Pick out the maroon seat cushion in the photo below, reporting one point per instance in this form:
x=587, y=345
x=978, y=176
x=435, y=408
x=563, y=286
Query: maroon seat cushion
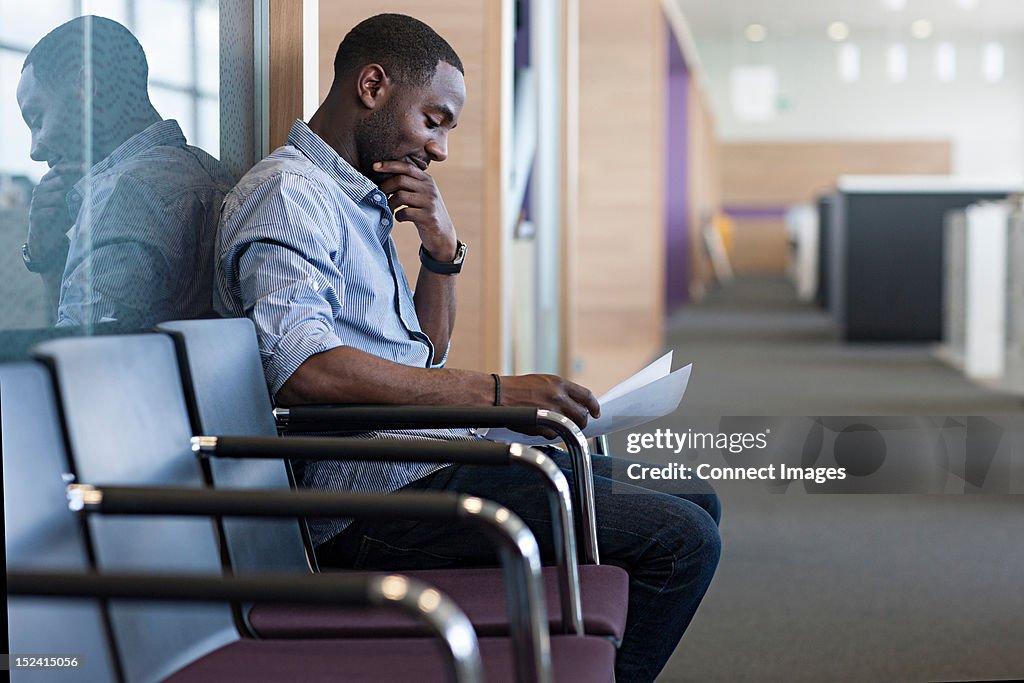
x=480, y=593
x=355, y=660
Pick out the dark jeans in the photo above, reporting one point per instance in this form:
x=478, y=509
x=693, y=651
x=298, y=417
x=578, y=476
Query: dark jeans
x=668, y=543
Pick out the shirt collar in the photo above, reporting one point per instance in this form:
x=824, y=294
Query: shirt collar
x=353, y=183
x=161, y=133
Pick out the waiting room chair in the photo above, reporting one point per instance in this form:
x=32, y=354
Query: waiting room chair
x=231, y=343
x=227, y=395
x=128, y=381
x=47, y=557
x=40, y=532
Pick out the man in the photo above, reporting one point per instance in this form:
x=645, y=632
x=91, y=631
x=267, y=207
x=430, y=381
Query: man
x=305, y=250
x=141, y=205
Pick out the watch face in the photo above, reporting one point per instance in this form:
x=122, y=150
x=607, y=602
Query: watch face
x=26, y=257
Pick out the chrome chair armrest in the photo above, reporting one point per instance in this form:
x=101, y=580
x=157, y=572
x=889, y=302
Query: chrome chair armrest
x=425, y=603
x=520, y=555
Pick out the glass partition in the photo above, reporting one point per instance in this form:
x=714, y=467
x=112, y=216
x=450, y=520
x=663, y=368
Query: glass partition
x=110, y=187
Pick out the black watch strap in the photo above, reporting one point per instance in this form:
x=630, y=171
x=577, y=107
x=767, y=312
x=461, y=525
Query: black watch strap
x=444, y=267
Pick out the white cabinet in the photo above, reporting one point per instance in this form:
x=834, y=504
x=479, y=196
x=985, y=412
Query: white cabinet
x=1014, y=359
x=985, y=292
x=954, y=288
x=802, y=226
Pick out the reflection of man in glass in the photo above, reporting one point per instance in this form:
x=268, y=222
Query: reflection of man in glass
x=141, y=204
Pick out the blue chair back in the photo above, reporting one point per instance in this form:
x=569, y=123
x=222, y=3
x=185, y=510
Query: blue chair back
x=42, y=534
x=127, y=425
x=220, y=360
x=227, y=394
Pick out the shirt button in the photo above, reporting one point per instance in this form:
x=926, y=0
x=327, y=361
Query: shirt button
x=377, y=197
x=384, y=222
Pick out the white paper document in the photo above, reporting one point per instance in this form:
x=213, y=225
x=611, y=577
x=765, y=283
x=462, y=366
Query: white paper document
x=651, y=393
x=652, y=372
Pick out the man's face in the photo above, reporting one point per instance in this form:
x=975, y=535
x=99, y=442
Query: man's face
x=413, y=124
x=54, y=116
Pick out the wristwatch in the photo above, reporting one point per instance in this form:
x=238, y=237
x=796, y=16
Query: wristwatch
x=38, y=265
x=444, y=267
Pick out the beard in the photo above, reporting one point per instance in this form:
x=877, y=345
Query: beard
x=377, y=140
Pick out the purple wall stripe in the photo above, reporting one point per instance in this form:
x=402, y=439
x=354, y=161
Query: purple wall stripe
x=756, y=212
x=677, y=180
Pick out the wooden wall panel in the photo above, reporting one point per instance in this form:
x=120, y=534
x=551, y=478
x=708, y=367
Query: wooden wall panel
x=285, y=68
x=782, y=173
x=570, y=186
x=705, y=184
x=618, y=306
x=778, y=174
x=469, y=179
x=761, y=245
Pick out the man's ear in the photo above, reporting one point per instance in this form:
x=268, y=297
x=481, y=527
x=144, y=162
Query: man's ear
x=374, y=86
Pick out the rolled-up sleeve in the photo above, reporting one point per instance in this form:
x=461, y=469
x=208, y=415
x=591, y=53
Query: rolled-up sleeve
x=277, y=256
x=120, y=271
x=444, y=359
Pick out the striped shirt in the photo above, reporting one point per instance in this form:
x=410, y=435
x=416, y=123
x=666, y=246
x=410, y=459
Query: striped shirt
x=305, y=251
x=145, y=219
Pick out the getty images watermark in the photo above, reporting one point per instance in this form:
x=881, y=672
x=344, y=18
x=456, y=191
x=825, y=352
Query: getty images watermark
x=889, y=454
x=735, y=442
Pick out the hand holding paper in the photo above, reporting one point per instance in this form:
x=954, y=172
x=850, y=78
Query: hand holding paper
x=649, y=394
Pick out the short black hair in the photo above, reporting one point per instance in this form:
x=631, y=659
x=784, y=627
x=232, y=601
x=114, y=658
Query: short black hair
x=408, y=49
x=116, y=57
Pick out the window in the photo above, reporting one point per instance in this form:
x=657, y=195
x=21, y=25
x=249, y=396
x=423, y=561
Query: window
x=181, y=42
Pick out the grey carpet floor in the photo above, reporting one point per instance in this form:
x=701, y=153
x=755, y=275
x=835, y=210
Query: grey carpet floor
x=855, y=587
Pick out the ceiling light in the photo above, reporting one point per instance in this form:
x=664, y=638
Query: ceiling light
x=755, y=33
x=945, y=62
x=895, y=5
x=838, y=31
x=922, y=28
x=993, y=62
x=896, y=62
x=967, y=4
x=849, y=62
